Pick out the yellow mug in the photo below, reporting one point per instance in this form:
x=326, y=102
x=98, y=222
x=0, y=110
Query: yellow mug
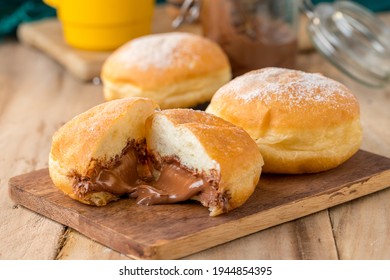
x=103, y=25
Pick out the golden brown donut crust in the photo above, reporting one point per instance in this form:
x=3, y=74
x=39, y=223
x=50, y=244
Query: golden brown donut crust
x=156, y=60
x=302, y=122
x=175, y=69
x=238, y=158
x=93, y=140
x=94, y=137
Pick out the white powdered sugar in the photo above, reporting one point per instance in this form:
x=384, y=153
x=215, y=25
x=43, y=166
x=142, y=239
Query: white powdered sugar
x=159, y=51
x=293, y=88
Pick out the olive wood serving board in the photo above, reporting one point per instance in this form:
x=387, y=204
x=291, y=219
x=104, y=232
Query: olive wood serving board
x=178, y=230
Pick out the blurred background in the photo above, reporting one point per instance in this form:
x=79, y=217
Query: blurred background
x=15, y=12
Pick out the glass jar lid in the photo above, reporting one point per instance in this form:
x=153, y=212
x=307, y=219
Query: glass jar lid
x=352, y=38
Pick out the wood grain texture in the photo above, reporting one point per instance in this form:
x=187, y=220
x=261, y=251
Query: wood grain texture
x=32, y=89
x=361, y=228
x=307, y=238
x=46, y=36
x=24, y=149
x=366, y=243
x=37, y=96
x=157, y=232
x=79, y=247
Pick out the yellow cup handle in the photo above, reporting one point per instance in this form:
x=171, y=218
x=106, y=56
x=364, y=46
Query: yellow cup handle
x=53, y=3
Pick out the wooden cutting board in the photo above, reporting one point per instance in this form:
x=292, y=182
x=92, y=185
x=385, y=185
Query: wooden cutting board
x=174, y=231
x=47, y=36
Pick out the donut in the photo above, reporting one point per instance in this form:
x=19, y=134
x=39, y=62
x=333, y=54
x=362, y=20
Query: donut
x=128, y=147
x=302, y=122
x=175, y=69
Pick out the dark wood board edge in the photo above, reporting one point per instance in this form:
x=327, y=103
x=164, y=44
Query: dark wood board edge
x=266, y=219
x=210, y=237
x=72, y=219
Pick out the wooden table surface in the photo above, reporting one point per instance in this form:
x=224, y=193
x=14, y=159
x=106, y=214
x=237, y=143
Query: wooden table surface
x=37, y=96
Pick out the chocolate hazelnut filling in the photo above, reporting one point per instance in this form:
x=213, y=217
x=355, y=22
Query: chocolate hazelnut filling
x=131, y=174
x=251, y=39
x=174, y=184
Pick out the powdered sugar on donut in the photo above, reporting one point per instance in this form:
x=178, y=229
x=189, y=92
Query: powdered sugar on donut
x=292, y=88
x=159, y=51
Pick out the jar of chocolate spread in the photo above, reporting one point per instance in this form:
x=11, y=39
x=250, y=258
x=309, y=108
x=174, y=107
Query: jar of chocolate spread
x=253, y=33
x=262, y=33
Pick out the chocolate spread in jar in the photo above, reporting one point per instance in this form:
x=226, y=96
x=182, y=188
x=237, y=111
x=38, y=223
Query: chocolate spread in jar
x=131, y=174
x=253, y=33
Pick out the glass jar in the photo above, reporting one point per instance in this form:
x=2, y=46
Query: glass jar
x=261, y=33
x=253, y=33
x=352, y=38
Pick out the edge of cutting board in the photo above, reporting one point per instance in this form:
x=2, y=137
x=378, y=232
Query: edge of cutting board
x=177, y=230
